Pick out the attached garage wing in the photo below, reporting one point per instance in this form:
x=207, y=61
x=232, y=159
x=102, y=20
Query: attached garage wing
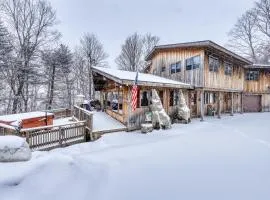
x=252, y=103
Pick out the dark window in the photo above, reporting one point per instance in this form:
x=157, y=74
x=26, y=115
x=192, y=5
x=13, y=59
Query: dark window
x=163, y=69
x=252, y=75
x=144, y=99
x=213, y=64
x=174, y=96
x=193, y=63
x=171, y=97
x=228, y=69
x=175, y=67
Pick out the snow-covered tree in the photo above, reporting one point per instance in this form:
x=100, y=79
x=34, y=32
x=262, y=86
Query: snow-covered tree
x=94, y=55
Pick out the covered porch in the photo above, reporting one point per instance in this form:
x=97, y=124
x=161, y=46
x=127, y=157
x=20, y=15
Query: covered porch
x=115, y=94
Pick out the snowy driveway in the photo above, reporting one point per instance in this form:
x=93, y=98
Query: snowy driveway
x=212, y=160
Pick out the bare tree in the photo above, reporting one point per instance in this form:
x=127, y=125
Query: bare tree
x=30, y=23
x=149, y=42
x=133, y=51
x=243, y=38
x=95, y=55
x=262, y=11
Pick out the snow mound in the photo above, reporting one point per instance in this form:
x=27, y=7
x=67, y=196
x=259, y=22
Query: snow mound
x=14, y=149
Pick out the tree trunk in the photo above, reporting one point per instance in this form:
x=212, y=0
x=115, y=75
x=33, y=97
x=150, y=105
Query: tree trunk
x=51, y=93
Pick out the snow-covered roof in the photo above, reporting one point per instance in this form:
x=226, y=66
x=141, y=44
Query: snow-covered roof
x=22, y=116
x=127, y=77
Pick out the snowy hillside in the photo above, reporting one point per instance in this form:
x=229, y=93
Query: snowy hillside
x=216, y=159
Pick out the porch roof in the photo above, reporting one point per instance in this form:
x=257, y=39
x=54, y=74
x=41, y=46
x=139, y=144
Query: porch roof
x=127, y=78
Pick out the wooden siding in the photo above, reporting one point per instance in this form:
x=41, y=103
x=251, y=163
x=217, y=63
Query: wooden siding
x=260, y=86
x=166, y=58
x=218, y=80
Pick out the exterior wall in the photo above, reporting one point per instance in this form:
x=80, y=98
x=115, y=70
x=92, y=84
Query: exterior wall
x=260, y=86
x=166, y=58
x=219, y=80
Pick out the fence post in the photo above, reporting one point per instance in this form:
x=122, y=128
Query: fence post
x=60, y=136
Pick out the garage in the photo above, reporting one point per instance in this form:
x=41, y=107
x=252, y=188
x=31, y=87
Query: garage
x=252, y=103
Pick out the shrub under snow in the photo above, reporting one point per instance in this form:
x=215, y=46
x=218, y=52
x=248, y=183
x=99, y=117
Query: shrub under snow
x=14, y=149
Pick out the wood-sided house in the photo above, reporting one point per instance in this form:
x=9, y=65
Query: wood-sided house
x=216, y=74
x=257, y=88
x=115, y=93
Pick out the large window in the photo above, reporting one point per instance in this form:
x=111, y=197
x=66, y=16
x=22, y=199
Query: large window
x=252, y=75
x=213, y=64
x=193, y=63
x=175, y=67
x=228, y=69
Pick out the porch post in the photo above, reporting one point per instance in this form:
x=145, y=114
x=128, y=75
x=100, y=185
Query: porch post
x=129, y=109
x=242, y=105
x=219, y=105
x=202, y=105
x=232, y=104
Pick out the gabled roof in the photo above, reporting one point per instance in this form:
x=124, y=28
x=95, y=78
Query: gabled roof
x=127, y=78
x=203, y=44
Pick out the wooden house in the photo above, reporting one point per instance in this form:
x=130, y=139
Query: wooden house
x=115, y=93
x=28, y=120
x=216, y=74
x=257, y=88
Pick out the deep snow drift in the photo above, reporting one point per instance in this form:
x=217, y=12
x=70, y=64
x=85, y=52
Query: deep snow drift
x=215, y=159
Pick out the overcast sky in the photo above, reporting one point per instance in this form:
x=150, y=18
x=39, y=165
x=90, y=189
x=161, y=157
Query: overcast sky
x=172, y=20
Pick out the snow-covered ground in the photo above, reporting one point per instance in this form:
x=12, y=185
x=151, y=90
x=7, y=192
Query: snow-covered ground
x=102, y=122
x=215, y=159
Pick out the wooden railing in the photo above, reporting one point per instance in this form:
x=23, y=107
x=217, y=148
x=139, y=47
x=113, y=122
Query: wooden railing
x=60, y=112
x=49, y=137
x=81, y=114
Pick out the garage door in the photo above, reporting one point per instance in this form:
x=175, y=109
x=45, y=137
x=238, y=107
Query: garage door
x=252, y=103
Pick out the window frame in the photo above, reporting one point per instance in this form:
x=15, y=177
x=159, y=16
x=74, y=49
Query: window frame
x=226, y=71
x=252, y=75
x=177, y=67
x=214, y=65
x=192, y=64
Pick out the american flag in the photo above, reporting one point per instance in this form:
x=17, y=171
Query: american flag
x=134, y=92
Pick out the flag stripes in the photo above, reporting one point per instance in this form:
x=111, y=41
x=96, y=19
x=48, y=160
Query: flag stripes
x=134, y=94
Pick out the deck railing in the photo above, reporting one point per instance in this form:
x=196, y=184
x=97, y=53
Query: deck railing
x=80, y=114
x=49, y=137
x=60, y=112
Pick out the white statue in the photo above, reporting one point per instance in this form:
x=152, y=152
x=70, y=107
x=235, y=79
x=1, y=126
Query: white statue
x=159, y=116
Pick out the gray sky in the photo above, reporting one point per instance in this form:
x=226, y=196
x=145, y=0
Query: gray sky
x=172, y=20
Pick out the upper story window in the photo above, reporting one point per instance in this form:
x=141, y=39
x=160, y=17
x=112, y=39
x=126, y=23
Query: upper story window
x=252, y=75
x=193, y=63
x=228, y=69
x=175, y=67
x=213, y=64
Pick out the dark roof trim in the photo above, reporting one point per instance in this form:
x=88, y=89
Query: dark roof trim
x=203, y=44
x=258, y=66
